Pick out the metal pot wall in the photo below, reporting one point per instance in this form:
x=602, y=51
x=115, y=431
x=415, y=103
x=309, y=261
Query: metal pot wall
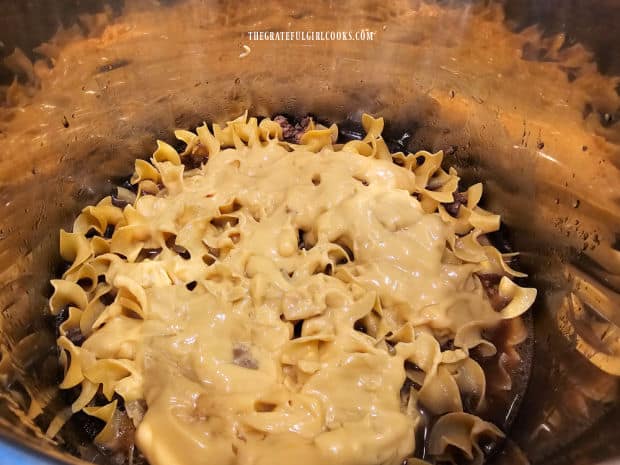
x=521, y=96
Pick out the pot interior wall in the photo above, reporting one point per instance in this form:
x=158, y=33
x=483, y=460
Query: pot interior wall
x=528, y=114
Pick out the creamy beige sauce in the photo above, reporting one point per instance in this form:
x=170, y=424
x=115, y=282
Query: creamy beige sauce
x=330, y=396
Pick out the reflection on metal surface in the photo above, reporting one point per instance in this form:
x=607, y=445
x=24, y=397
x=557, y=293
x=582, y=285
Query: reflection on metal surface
x=527, y=114
x=590, y=316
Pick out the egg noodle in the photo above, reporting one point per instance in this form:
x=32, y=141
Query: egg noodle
x=274, y=303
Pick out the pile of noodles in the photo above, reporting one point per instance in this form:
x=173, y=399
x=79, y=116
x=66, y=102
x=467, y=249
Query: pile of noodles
x=355, y=262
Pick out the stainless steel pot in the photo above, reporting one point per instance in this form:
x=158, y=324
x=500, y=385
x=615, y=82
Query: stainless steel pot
x=521, y=96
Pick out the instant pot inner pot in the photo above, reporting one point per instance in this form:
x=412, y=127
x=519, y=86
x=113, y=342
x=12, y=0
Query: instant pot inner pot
x=528, y=114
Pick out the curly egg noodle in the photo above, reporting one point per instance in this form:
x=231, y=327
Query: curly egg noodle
x=283, y=303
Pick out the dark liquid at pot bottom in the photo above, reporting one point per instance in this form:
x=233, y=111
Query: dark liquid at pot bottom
x=507, y=374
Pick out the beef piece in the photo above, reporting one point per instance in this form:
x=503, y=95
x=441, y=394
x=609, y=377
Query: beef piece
x=292, y=132
x=460, y=198
x=194, y=160
x=75, y=336
x=490, y=283
x=243, y=357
